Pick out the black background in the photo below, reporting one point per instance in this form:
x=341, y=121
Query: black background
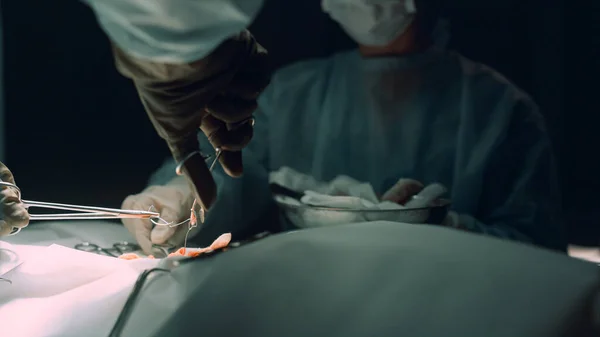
x=76, y=132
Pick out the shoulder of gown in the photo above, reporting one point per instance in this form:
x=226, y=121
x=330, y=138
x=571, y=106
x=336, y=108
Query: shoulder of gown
x=486, y=78
x=494, y=93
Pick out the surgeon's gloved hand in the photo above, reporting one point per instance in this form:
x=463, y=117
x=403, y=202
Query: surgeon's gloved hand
x=216, y=94
x=173, y=201
x=13, y=213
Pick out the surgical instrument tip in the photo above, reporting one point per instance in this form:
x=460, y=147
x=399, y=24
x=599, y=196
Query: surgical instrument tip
x=218, y=153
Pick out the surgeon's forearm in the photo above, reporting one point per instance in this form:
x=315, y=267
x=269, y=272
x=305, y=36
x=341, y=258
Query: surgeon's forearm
x=503, y=232
x=174, y=31
x=498, y=230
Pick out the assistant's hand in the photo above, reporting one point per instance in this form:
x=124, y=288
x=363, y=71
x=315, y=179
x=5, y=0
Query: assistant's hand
x=173, y=201
x=216, y=94
x=403, y=191
x=13, y=213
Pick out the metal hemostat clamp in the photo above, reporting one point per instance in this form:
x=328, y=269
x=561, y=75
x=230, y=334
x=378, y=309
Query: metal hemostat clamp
x=202, y=180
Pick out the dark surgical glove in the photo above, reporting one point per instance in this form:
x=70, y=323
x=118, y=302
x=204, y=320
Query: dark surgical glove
x=13, y=214
x=216, y=94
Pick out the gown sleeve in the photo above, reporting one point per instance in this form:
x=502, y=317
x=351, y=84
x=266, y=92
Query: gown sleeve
x=173, y=31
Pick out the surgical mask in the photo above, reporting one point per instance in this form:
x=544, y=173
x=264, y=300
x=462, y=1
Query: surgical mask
x=371, y=22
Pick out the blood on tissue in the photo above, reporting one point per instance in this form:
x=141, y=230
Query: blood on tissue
x=193, y=218
x=221, y=242
x=132, y=256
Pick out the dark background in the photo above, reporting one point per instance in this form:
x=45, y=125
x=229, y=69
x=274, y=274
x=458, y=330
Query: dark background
x=76, y=132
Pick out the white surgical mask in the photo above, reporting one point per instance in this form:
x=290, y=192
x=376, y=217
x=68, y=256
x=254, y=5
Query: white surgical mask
x=371, y=22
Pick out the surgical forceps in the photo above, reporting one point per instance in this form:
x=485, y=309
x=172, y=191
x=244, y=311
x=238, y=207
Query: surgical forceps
x=87, y=212
x=217, y=155
x=178, y=171
x=119, y=248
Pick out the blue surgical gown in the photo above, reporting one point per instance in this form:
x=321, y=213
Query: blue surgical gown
x=172, y=31
x=433, y=116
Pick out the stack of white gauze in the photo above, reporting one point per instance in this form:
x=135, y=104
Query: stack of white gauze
x=346, y=192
